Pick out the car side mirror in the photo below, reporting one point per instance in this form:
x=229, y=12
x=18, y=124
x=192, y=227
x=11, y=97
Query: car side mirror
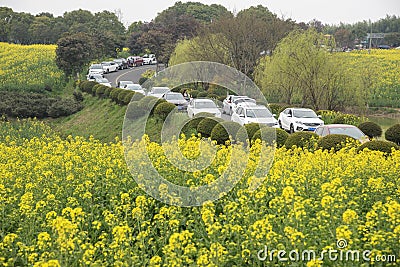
x=289, y=115
x=241, y=115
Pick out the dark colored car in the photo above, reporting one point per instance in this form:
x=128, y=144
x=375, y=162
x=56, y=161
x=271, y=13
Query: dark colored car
x=122, y=63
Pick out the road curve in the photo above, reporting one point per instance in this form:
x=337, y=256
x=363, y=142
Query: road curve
x=132, y=74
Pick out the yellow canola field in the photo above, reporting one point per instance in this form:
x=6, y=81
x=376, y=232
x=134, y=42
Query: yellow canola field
x=29, y=68
x=72, y=202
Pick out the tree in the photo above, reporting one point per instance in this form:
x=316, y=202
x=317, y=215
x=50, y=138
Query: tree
x=303, y=67
x=6, y=15
x=74, y=52
x=228, y=39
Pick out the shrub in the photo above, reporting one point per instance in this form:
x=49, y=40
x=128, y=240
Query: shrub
x=100, y=90
x=281, y=137
x=221, y=98
x=134, y=110
x=78, y=96
x=121, y=96
x=247, y=132
x=301, y=139
x=163, y=109
x=223, y=131
x=335, y=141
x=266, y=134
x=206, y=125
x=128, y=98
x=82, y=85
x=348, y=119
x=202, y=94
x=114, y=94
x=94, y=89
x=87, y=86
x=371, y=129
x=212, y=96
x=393, y=134
x=107, y=91
x=378, y=145
x=194, y=93
x=203, y=115
x=64, y=107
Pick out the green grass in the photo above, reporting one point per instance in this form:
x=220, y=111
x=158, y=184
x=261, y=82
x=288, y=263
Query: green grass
x=100, y=118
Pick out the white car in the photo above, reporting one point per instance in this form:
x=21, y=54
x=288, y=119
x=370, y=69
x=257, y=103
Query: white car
x=122, y=84
x=94, y=77
x=149, y=59
x=177, y=99
x=104, y=81
x=228, y=103
x=137, y=88
x=249, y=113
x=158, y=91
x=202, y=105
x=96, y=69
x=109, y=66
x=299, y=119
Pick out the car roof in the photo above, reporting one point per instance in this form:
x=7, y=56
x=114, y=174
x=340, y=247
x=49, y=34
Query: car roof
x=301, y=109
x=202, y=100
x=340, y=126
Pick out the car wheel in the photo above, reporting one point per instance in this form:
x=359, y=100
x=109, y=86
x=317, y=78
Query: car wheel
x=280, y=124
x=291, y=128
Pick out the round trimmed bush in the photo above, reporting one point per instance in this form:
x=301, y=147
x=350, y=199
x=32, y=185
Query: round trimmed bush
x=82, y=84
x=266, y=134
x=134, y=110
x=142, y=80
x=94, y=89
x=247, y=132
x=163, y=109
x=301, y=139
x=87, y=86
x=335, y=141
x=107, y=91
x=114, y=94
x=100, y=90
x=371, y=129
x=203, y=115
x=379, y=145
x=128, y=98
x=206, y=125
x=121, y=96
x=223, y=131
x=393, y=134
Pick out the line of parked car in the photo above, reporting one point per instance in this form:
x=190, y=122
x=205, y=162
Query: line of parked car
x=96, y=71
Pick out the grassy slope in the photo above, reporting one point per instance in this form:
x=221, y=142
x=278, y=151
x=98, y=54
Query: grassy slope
x=100, y=117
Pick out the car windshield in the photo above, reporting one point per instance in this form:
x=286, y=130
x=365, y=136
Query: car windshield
x=125, y=82
x=205, y=104
x=97, y=66
x=160, y=90
x=174, y=97
x=133, y=86
x=244, y=100
x=102, y=80
x=106, y=64
x=304, y=113
x=258, y=113
x=350, y=131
